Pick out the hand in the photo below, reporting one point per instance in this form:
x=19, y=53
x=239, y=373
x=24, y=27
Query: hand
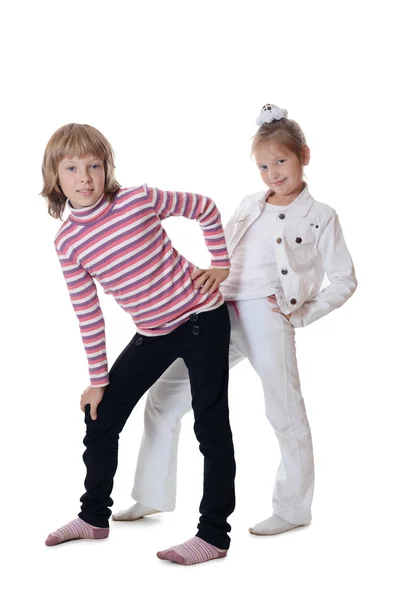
x=208, y=279
x=273, y=300
x=93, y=397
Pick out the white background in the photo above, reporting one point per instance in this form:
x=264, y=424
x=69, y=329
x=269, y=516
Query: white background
x=176, y=87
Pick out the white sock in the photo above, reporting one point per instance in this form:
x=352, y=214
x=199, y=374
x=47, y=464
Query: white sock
x=272, y=526
x=137, y=511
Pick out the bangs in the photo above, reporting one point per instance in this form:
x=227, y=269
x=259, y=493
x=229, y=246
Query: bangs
x=282, y=141
x=80, y=141
x=285, y=134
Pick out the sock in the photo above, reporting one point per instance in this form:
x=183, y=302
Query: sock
x=137, y=511
x=76, y=530
x=272, y=526
x=192, y=552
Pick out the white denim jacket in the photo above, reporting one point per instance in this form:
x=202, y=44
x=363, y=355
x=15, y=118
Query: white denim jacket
x=309, y=244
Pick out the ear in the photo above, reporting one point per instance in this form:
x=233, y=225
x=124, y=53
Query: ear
x=305, y=155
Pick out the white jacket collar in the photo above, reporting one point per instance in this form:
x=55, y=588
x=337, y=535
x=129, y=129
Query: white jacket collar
x=301, y=205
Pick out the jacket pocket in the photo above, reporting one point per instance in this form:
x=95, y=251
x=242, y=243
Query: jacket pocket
x=301, y=247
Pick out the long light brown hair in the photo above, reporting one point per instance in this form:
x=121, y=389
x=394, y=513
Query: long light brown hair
x=74, y=140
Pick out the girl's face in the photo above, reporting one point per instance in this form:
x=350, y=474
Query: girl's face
x=82, y=180
x=280, y=169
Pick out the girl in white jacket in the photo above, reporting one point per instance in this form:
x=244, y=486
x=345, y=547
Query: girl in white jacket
x=281, y=243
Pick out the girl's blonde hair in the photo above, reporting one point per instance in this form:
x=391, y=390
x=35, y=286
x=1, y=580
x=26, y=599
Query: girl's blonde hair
x=285, y=132
x=70, y=141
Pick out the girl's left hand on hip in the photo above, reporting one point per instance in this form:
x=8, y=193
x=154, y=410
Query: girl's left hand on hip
x=273, y=300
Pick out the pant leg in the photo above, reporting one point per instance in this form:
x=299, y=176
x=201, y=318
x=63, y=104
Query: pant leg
x=206, y=357
x=139, y=365
x=267, y=339
x=168, y=400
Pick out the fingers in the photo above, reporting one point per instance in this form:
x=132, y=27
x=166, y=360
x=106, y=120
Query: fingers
x=209, y=284
x=201, y=280
x=208, y=280
x=212, y=283
x=93, y=404
x=196, y=273
x=277, y=310
x=93, y=408
x=93, y=411
x=214, y=287
x=273, y=300
x=83, y=400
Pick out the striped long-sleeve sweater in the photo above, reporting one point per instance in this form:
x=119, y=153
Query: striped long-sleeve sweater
x=123, y=245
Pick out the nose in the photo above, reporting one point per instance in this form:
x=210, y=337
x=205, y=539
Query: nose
x=273, y=174
x=85, y=175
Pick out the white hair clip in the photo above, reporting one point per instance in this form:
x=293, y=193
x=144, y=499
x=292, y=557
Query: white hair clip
x=271, y=112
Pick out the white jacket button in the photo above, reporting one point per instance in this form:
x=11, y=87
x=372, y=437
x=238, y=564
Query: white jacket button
x=284, y=271
x=281, y=216
x=298, y=240
x=279, y=240
x=293, y=301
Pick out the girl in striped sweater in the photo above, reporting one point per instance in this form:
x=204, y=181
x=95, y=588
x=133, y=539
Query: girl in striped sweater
x=114, y=235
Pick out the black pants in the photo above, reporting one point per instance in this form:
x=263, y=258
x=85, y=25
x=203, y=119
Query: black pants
x=203, y=343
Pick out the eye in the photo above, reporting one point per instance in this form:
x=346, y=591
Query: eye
x=95, y=166
x=281, y=161
x=70, y=168
x=262, y=167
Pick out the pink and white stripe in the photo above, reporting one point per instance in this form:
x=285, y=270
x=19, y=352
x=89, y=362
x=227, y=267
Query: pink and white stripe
x=124, y=247
x=192, y=552
x=76, y=530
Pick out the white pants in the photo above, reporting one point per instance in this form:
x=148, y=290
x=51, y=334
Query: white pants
x=267, y=340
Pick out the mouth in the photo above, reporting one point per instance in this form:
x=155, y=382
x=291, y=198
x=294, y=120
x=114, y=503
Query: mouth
x=85, y=192
x=279, y=182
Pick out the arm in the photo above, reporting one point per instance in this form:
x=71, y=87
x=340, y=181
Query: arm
x=204, y=211
x=83, y=294
x=339, y=268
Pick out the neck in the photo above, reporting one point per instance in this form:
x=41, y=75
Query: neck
x=90, y=213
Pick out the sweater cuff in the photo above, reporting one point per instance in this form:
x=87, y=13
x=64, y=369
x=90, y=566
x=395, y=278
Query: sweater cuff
x=224, y=264
x=103, y=382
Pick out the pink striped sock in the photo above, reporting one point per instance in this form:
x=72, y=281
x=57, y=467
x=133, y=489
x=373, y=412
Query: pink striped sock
x=76, y=530
x=192, y=552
